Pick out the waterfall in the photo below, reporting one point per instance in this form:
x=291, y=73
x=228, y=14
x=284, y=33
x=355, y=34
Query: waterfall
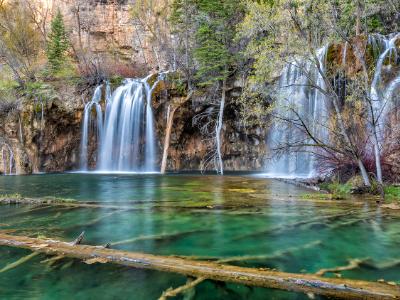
x=344, y=57
x=128, y=142
x=86, y=124
x=126, y=136
x=297, y=96
x=8, y=159
x=381, y=91
x=310, y=104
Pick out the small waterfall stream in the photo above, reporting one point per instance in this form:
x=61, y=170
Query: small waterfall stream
x=126, y=136
x=87, y=123
x=7, y=156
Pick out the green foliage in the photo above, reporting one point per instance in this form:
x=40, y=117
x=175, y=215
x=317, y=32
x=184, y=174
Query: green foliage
x=58, y=43
x=7, y=85
x=392, y=193
x=338, y=190
x=214, y=39
x=19, y=40
x=39, y=89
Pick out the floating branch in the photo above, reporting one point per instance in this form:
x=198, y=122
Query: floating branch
x=190, y=284
x=306, y=283
x=19, y=262
x=276, y=254
x=353, y=264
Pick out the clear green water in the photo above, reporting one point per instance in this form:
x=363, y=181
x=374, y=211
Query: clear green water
x=208, y=216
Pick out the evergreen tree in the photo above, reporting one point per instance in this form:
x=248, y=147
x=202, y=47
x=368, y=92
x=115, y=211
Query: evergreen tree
x=214, y=39
x=58, y=43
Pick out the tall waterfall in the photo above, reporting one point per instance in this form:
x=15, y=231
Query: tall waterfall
x=297, y=96
x=126, y=135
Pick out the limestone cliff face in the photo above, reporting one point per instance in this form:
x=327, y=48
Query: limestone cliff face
x=107, y=29
x=44, y=135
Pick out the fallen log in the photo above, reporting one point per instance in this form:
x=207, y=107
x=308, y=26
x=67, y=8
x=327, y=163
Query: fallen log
x=306, y=283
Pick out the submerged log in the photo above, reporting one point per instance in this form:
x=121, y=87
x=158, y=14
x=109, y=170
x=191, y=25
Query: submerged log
x=190, y=284
x=353, y=264
x=19, y=262
x=306, y=283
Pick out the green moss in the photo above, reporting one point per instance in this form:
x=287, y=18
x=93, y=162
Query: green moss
x=316, y=196
x=116, y=81
x=10, y=196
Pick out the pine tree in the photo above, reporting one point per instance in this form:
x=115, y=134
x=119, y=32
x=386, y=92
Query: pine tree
x=214, y=39
x=58, y=43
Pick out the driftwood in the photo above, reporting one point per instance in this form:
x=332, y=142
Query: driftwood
x=353, y=264
x=19, y=262
x=190, y=284
x=306, y=283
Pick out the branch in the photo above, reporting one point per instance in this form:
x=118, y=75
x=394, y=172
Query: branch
x=175, y=292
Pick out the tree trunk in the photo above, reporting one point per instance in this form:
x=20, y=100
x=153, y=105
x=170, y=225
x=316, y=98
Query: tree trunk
x=364, y=173
x=170, y=122
x=218, y=128
x=374, y=118
x=334, y=99
x=378, y=164
x=306, y=283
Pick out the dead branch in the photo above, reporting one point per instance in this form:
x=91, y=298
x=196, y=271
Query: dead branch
x=353, y=264
x=18, y=262
x=175, y=292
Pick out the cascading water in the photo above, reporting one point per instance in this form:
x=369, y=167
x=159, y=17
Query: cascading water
x=127, y=136
x=7, y=155
x=381, y=90
x=87, y=122
x=297, y=97
x=311, y=106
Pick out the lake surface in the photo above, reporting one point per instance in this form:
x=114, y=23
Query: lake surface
x=204, y=216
